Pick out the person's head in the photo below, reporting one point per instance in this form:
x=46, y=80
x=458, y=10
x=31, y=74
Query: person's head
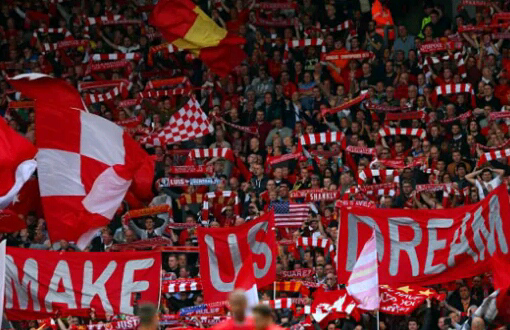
x=464, y=292
x=148, y=314
x=412, y=324
x=477, y=282
x=107, y=235
x=262, y=316
x=407, y=187
x=402, y=31
x=149, y=224
x=331, y=280
x=486, y=175
x=238, y=305
x=172, y=261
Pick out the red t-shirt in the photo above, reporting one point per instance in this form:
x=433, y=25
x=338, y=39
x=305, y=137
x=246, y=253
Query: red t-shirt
x=231, y=324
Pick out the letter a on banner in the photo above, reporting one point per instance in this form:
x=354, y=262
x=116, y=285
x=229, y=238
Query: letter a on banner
x=223, y=252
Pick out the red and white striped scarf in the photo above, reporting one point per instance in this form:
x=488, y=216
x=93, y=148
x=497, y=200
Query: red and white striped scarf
x=440, y=46
x=455, y=89
x=64, y=31
x=247, y=129
x=383, y=189
x=346, y=105
x=361, y=150
x=346, y=25
x=154, y=94
x=182, y=285
x=348, y=203
x=191, y=169
x=492, y=155
x=166, y=48
x=400, y=163
x=107, y=66
x=101, y=19
x=153, y=210
x=211, y=153
x=432, y=187
x=326, y=244
x=121, y=90
x=279, y=303
x=499, y=115
x=116, y=57
x=213, y=198
x=349, y=56
x=300, y=43
x=322, y=138
x=379, y=107
x=128, y=103
x=382, y=174
x=85, y=85
x=501, y=146
x=458, y=57
x=154, y=84
x=50, y=47
x=393, y=116
x=387, y=131
x=460, y=117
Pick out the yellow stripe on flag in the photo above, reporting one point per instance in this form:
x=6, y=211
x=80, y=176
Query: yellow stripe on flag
x=203, y=33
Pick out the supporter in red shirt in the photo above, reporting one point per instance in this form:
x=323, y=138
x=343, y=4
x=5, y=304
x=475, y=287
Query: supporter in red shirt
x=239, y=320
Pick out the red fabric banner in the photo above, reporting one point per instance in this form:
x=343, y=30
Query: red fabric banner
x=404, y=300
x=223, y=250
x=426, y=247
x=40, y=284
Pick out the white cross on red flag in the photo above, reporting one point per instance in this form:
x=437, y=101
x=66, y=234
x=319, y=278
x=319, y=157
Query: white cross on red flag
x=85, y=163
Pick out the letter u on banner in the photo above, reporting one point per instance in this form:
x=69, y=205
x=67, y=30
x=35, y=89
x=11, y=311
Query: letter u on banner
x=223, y=251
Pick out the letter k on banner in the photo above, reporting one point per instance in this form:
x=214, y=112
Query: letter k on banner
x=223, y=251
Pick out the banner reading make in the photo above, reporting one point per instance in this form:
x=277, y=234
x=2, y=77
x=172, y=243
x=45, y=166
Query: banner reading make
x=39, y=283
x=427, y=246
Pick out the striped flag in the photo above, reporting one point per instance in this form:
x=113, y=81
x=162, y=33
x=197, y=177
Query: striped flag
x=363, y=284
x=288, y=214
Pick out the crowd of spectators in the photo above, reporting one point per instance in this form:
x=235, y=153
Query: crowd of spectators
x=281, y=92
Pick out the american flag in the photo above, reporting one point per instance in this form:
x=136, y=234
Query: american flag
x=289, y=214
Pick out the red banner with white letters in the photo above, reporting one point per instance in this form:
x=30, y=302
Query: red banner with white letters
x=41, y=284
x=223, y=251
x=426, y=247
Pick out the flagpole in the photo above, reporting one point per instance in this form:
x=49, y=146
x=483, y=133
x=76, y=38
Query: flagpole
x=377, y=319
x=274, y=290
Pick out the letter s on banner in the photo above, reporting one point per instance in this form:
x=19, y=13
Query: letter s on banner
x=106, y=282
x=223, y=251
x=428, y=246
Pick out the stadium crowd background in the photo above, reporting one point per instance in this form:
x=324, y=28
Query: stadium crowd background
x=281, y=92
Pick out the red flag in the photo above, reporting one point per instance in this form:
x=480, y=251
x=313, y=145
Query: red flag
x=16, y=163
x=405, y=299
x=85, y=163
x=225, y=251
x=333, y=305
x=187, y=27
x=501, y=283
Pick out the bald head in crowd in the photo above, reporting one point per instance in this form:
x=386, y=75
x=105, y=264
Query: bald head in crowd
x=238, y=304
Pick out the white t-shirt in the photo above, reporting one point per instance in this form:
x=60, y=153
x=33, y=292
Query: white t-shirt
x=492, y=184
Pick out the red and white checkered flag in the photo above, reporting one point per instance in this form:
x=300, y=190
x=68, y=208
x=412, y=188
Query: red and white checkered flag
x=190, y=122
x=86, y=164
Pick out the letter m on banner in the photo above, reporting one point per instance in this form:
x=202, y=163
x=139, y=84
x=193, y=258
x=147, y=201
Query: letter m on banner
x=223, y=251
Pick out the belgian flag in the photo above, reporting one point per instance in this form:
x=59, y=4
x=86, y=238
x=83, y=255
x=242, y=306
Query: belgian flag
x=186, y=26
